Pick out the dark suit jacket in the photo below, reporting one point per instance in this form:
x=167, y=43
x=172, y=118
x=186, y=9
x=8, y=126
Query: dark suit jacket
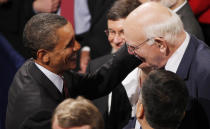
x=96, y=38
x=131, y=124
x=195, y=71
x=33, y=97
x=190, y=22
x=120, y=106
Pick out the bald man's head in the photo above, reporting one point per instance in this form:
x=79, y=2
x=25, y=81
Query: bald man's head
x=167, y=3
x=152, y=33
x=152, y=19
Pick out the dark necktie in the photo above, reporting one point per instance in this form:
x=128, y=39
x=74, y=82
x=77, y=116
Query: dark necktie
x=65, y=89
x=67, y=10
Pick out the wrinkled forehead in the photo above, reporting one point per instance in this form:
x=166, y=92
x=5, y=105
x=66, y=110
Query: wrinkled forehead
x=116, y=24
x=134, y=33
x=146, y=15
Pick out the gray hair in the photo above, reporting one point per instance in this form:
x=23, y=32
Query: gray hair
x=168, y=29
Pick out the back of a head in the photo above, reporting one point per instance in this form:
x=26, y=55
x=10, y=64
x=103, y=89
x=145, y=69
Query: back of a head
x=121, y=9
x=78, y=112
x=164, y=98
x=40, y=32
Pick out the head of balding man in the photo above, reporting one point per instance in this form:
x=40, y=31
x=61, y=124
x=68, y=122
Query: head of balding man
x=153, y=33
x=167, y=3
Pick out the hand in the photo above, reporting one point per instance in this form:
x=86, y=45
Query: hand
x=84, y=59
x=46, y=6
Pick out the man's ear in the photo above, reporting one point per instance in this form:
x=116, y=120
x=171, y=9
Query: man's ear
x=140, y=111
x=161, y=44
x=43, y=56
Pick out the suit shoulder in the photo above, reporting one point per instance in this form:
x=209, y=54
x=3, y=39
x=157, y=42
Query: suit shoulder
x=96, y=63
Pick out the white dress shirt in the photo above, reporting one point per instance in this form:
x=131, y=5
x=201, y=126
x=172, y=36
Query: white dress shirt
x=137, y=125
x=132, y=87
x=54, y=78
x=82, y=17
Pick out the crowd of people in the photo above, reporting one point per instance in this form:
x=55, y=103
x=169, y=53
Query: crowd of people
x=138, y=64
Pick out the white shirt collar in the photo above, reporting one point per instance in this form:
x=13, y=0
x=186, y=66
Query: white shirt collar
x=54, y=78
x=174, y=61
x=137, y=125
x=178, y=8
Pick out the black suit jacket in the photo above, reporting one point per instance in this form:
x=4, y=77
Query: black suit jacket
x=96, y=38
x=131, y=124
x=120, y=111
x=190, y=22
x=33, y=97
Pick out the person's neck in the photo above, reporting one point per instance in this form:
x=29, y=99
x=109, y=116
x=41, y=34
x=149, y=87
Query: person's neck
x=177, y=4
x=48, y=68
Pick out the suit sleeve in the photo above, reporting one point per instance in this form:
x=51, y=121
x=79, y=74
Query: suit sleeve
x=106, y=78
x=38, y=120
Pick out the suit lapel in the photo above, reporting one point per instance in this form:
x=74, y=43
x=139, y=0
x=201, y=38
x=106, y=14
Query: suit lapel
x=184, y=66
x=45, y=82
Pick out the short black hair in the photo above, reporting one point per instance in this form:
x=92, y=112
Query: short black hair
x=40, y=32
x=121, y=9
x=164, y=97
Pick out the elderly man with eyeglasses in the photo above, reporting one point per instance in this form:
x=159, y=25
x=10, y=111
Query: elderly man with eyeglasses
x=171, y=47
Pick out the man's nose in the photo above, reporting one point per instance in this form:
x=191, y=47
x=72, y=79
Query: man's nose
x=117, y=39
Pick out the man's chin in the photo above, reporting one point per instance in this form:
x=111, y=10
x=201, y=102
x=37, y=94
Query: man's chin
x=144, y=65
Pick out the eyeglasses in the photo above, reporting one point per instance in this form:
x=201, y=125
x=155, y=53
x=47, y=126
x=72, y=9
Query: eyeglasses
x=132, y=48
x=111, y=33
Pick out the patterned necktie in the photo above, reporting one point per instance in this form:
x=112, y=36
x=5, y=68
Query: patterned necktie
x=67, y=10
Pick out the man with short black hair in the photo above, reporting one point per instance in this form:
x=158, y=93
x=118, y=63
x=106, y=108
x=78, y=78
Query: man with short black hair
x=163, y=101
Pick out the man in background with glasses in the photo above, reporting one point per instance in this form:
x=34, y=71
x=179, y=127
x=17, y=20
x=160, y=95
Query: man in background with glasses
x=156, y=35
x=120, y=105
